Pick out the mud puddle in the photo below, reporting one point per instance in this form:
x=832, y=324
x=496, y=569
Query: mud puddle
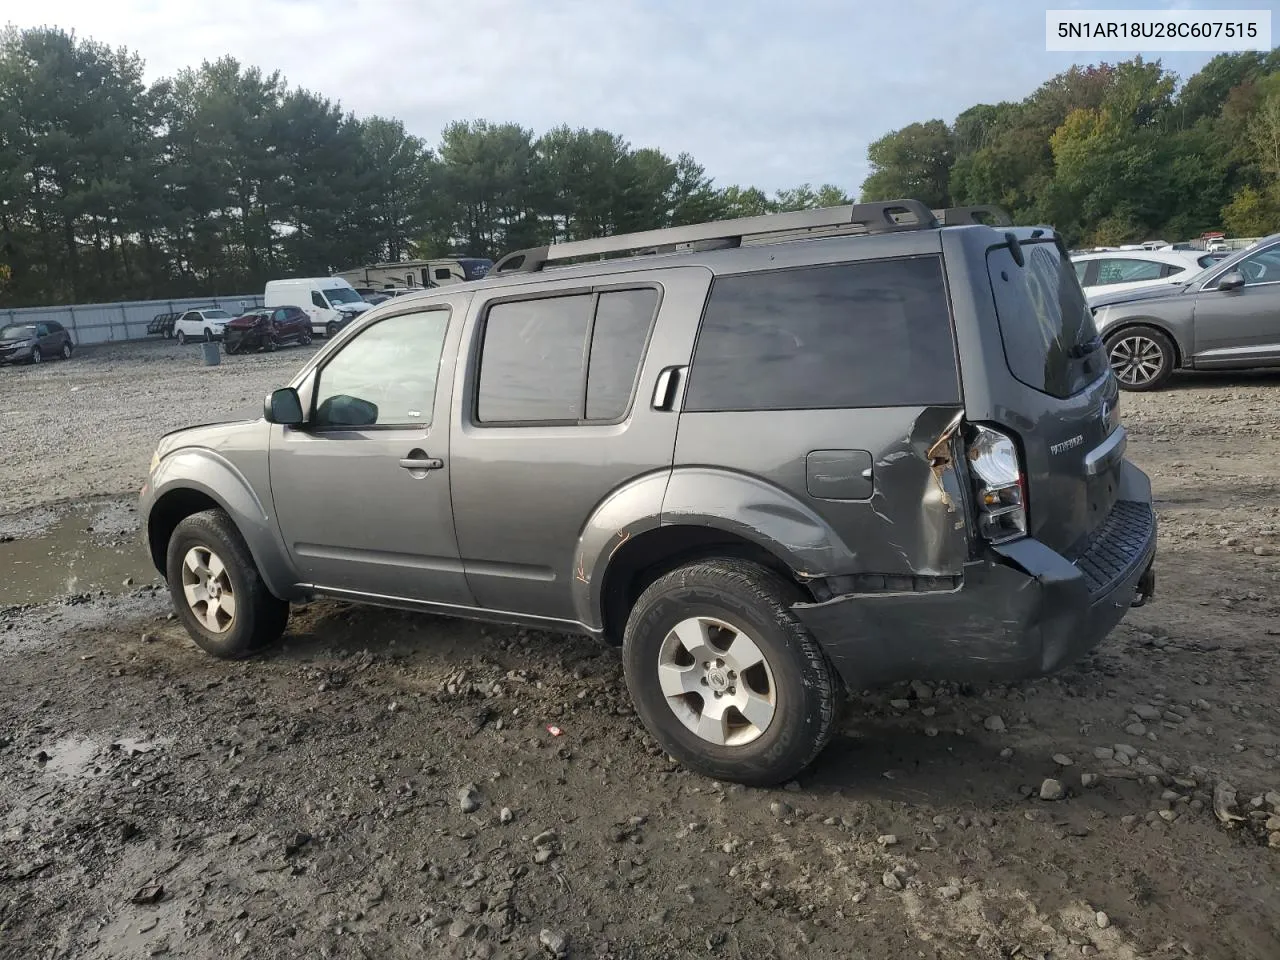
x=81, y=758
x=67, y=557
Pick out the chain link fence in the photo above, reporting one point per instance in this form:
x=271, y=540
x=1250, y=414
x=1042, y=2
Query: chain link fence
x=91, y=323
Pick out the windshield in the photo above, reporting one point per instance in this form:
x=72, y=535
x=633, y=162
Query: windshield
x=17, y=331
x=215, y=314
x=1050, y=341
x=341, y=295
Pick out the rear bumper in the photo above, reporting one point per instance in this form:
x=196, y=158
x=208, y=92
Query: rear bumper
x=1023, y=611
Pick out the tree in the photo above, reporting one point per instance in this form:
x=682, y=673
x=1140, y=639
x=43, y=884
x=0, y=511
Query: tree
x=1252, y=213
x=914, y=162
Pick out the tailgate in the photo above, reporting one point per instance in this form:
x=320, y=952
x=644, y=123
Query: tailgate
x=1067, y=423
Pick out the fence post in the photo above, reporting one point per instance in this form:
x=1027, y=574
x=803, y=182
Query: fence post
x=72, y=312
x=124, y=319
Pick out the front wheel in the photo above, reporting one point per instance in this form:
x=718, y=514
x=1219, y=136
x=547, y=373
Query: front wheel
x=305, y=340
x=331, y=330
x=1142, y=358
x=182, y=338
x=66, y=351
x=208, y=335
x=217, y=590
x=36, y=355
x=725, y=677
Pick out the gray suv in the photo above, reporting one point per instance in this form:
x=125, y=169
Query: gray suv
x=1226, y=317
x=773, y=459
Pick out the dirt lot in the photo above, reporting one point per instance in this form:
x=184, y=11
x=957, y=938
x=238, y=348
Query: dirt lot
x=385, y=785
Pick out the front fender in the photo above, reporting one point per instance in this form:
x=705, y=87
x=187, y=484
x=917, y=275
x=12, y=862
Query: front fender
x=207, y=472
x=760, y=512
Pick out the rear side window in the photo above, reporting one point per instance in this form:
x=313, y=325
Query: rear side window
x=868, y=334
x=1050, y=341
x=1120, y=270
x=564, y=359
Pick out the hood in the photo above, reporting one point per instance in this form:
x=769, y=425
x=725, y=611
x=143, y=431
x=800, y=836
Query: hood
x=1162, y=292
x=358, y=307
x=11, y=341
x=244, y=323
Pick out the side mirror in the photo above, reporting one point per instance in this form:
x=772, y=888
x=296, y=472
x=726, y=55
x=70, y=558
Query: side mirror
x=283, y=407
x=1231, y=280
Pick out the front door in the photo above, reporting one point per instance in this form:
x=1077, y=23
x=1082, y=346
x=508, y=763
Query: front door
x=1242, y=326
x=361, y=490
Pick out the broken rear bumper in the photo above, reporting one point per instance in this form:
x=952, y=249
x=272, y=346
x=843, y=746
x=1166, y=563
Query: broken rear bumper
x=1023, y=611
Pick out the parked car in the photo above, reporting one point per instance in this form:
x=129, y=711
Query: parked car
x=772, y=472
x=34, y=342
x=331, y=302
x=266, y=329
x=1121, y=270
x=203, y=324
x=1225, y=317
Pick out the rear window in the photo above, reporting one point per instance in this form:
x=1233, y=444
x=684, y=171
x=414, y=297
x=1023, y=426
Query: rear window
x=1050, y=341
x=868, y=334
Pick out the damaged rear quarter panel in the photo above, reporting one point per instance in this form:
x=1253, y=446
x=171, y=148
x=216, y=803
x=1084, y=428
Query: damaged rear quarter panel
x=912, y=524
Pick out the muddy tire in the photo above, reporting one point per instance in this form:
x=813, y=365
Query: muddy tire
x=725, y=677
x=217, y=591
x=1142, y=358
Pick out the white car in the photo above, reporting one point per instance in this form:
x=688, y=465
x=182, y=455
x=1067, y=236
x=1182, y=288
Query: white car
x=205, y=324
x=1113, y=271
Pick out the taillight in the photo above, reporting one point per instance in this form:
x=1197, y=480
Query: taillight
x=1000, y=487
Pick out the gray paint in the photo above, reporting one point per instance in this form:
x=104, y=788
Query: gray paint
x=1211, y=328
x=521, y=523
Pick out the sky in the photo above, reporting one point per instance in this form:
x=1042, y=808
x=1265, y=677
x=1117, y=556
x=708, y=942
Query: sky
x=770, y=93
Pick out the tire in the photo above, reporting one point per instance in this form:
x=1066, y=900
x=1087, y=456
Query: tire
x=793, y=675
x=229, y=347
x=66, y=350
x=331, y=330
x=210, y=540
x=1142, y=358
x=182, y=338
x=305, y=339
x=36, y=355
x=208, y=335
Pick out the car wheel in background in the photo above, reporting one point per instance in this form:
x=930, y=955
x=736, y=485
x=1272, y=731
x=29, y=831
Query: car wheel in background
x=66, y=350
x=1141, y=357
x=208, y=335
x=36, y=355
x=182, y=338
x=331, y=330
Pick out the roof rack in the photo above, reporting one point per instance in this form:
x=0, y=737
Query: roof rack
x=885, y=216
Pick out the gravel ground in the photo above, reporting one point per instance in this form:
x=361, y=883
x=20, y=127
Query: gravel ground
x=385, y=785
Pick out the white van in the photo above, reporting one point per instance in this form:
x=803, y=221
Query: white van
x=331, y=302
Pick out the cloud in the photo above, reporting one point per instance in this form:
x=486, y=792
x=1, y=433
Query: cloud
x=765, y=92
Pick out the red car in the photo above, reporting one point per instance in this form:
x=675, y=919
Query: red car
x=266, y=329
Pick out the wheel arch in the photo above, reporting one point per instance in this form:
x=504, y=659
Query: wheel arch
x=1155, y=324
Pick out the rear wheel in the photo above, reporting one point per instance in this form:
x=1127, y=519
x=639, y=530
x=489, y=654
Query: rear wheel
x=305, y=339
x=724, y=676
x=1142, y=358
x=217, y=590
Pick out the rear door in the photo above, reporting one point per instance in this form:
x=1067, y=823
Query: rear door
x=554, y=413
x=1062, y=406
x=1242, y=326
x=838, y=384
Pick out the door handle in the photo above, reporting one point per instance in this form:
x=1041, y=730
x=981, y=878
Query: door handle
x=666, y=388
x=422, y=463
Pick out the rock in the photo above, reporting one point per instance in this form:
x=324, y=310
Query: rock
x=1102, y=920
x=1273, y=823
x=1006, y=753
x=900, y=704
x=922, y=690
x=554, y=943
x=1273, y=841
x=1088, y=780
x=1136, y=729
x=891, y=880
x=994, y=723
x=1128, y=750
x=1062, y=760
x=461, y=928
x=505, y=815
x=1273, y=800
x=546, y=838
x=1257, y=552
x=1052, y=790
x=949, y=892
x=148, y=636
x=469, y=798
x=887, y=840
x=781, y=809
x=1224, y=799
x=1168, y=816
x=1146, y=711
x=1103, y=753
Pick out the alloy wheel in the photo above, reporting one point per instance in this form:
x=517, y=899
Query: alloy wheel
x=1136, y=360
x=208, y=589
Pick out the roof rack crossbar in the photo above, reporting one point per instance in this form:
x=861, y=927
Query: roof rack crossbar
x=885, y=216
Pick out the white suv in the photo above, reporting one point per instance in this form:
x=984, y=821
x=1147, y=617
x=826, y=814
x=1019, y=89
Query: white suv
x=1112, y=271
x=204, y=324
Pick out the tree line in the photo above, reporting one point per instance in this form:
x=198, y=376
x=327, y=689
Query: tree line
x=223, y=177
x=1109, y=154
